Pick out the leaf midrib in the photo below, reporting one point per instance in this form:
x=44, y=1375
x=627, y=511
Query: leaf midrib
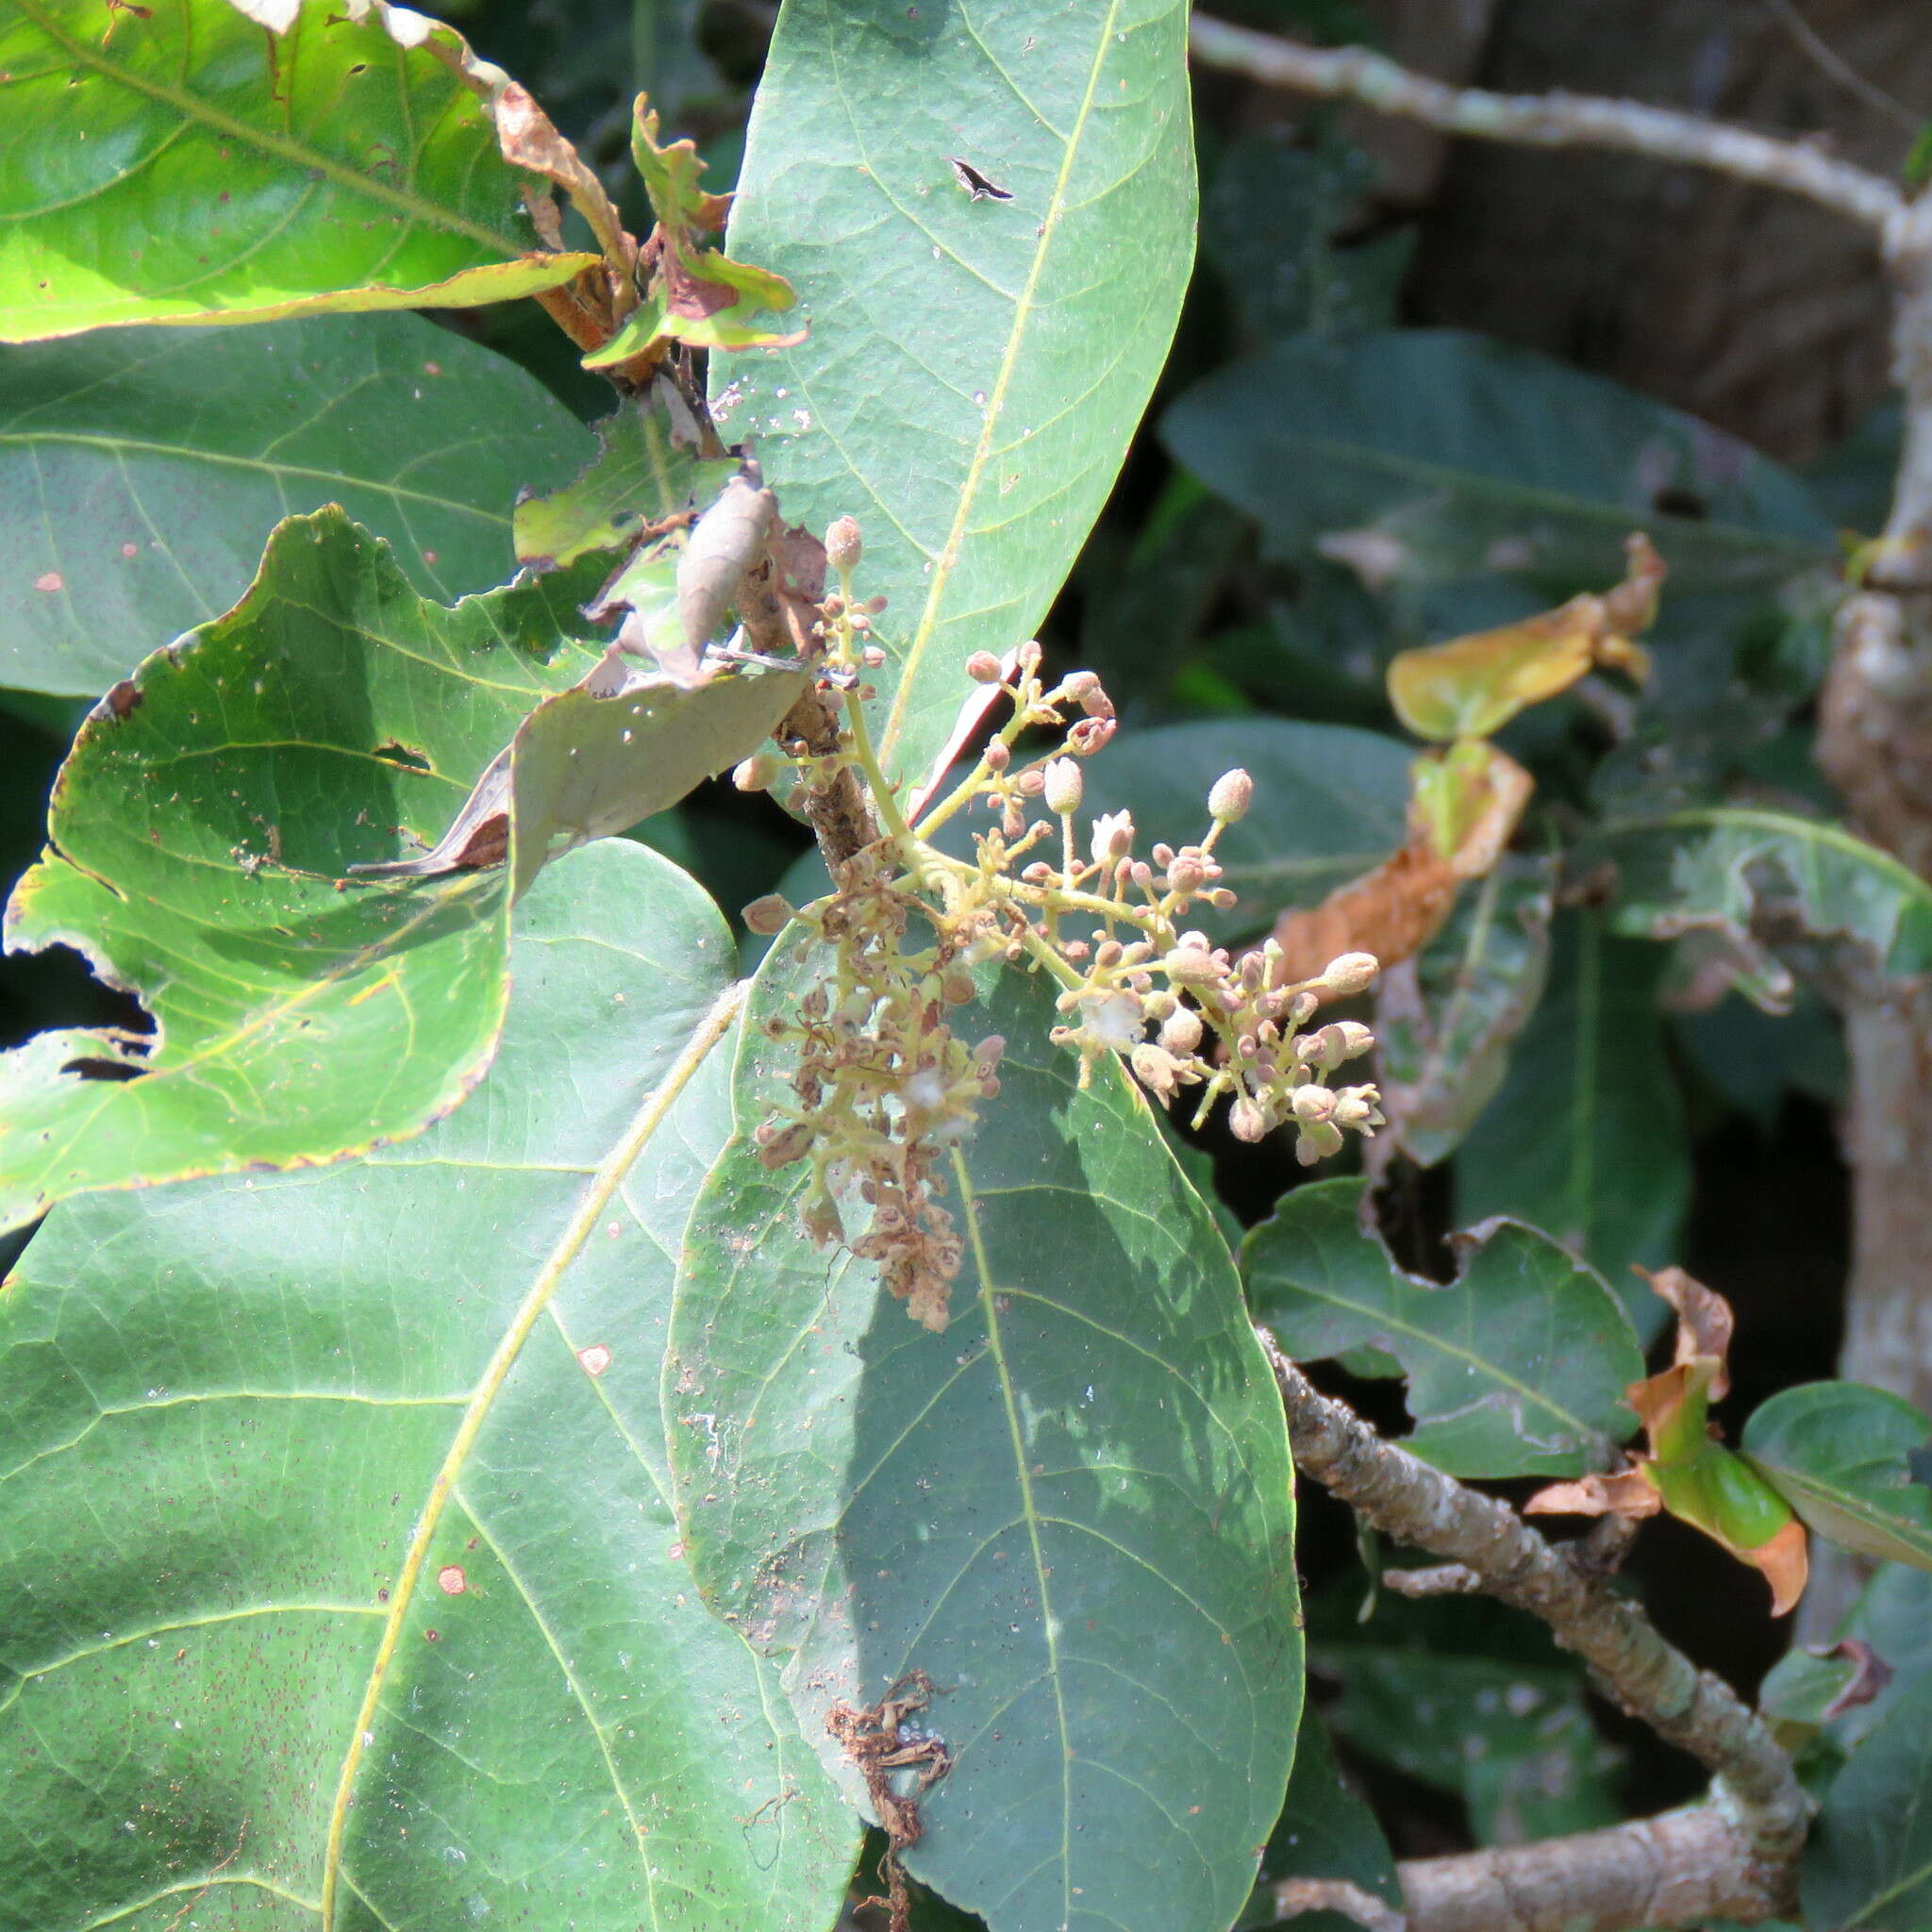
x=596, y=1198
x=193, y=108
x=990, y=417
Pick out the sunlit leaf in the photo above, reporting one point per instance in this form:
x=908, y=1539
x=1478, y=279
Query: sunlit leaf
x=342, y=1568
x=176, y=162
x=1071, y=1509
x=974, y=367
x=141, y=471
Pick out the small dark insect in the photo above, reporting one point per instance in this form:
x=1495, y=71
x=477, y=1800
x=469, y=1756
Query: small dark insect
x=976, y=184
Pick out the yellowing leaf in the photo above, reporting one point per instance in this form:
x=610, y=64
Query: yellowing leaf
x=1472, y=685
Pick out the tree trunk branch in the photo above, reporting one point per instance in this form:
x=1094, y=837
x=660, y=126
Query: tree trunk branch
x=1734, y=1857
x=1551, y=120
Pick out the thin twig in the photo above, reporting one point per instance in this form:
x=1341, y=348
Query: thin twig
x=1829, y=61
x=1551, y=120
x=1758, y=1809
x=1443, y=1579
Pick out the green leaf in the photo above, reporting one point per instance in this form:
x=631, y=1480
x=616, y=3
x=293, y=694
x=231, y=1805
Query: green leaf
x=1072, y=1509
x=1516, y=1367
x=638, y=475
x=1452, y=458
x=1893, y=1614
x=176, y=162
x=1325, y=1831
x=1329, y=805
x=1710, y=871
x=1586, y=1137
x=140, y=473
x=1839, y=1453
x=1445, y=1021
x=200, y=831
x=1515, y=1740
x=1868, y=1858
x=336, y=1530
x=974, y=367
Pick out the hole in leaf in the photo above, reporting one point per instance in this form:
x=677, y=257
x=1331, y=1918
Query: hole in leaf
x=1675, y=502
x=103, y=1070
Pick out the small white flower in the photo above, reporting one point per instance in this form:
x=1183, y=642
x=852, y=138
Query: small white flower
x=1113, y=836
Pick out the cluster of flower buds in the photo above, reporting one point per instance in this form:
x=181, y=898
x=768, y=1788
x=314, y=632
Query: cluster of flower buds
x=883, y=1086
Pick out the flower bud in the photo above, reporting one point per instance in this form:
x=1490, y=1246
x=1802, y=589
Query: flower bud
x=1352, y=972
x=872, y=658
x=1156, y=1071
x=1356, y=1107
x=1077, y=684
x=759, y=772
x=1064, y=786
x=1032, y=784
x=983, y=667
x=843, y=545
x=1245, y=1120
x=1316, y=1142
x=1192, y=966
x=1181, y=1031
x=1312, y=1104
x=1185, y=875
x=1230, y=797
x=986, y=1056
x=768, y=915
x=998, y=756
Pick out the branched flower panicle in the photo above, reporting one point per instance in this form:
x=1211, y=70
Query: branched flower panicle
x=883, y=1084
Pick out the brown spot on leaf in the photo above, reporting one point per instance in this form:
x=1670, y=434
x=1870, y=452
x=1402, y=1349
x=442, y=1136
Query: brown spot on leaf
x=595, y=1358
x=50, y=581
x=451, y=1581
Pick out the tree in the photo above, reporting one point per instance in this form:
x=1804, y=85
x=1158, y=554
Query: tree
x=528, y=1401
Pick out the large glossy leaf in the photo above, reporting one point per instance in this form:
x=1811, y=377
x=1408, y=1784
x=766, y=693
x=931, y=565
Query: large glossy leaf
x=176, y=162
x=1329, y=805
x=1868, y=1858
x=1516, y=1367
x=1584, y=1138
x=974, y=365
x=1446, y=1020
x=1071, y=1509
x=1843, y=1456
x=200, y=832
x=140, y=472
x=1460, y=457
x=1710, y=871
x=340, y=1566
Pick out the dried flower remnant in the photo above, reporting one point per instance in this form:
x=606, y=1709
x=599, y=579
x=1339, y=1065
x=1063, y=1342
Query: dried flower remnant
x=883, y=1086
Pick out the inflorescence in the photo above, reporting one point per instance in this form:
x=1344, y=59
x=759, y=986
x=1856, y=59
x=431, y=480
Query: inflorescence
x=884, y=1088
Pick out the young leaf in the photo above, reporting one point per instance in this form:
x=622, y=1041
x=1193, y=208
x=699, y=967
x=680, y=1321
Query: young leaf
x=327, y=162
x=1869, y=1859
x=1071, y=1509
x=637, y=476
x=371, y=1462
x=139, y=472
x=1842, y=1456
x=1328, y=805
x=1446, y=1020
x=1517, y=466
x=975, y=366
x=201, y=830
x=1516, y=1368
x=1470, y=686
x=1586, y=1136
x=1710, y=871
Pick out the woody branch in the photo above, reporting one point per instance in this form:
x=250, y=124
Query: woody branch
x=1732, y=1856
